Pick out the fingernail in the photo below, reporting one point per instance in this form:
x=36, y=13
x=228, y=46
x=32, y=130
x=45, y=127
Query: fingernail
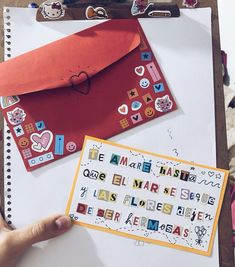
x=63, y=223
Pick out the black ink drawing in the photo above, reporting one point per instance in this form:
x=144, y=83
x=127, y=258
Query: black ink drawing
x=83, y=191
x=210, y=173
x=86, y=164
x=175, y=151
x=98, y=146
x=209, y=183
x=200, y=232
x=170, y=133
x=137, y=155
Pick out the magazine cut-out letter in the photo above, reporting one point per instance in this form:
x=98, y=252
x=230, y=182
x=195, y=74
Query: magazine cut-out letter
x=146, y=196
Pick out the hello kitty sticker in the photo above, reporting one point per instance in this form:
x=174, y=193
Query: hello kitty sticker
x=52, y=10
x=163, y=104
x=16, y=116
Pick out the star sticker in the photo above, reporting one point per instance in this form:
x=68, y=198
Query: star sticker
x=132, y=93
x=146, y=56
x=18, y=130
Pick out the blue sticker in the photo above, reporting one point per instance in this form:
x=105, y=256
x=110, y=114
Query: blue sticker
x=18, y=130
x=136, y=105
x=59, y=144
x=158, y=87
x=146, y=56
x=40, y=125
x=41, y=159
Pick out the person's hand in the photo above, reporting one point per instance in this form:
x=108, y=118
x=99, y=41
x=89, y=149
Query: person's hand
x=13, y=243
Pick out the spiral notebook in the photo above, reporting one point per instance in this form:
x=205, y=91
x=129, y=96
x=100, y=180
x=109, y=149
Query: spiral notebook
x=183, y=48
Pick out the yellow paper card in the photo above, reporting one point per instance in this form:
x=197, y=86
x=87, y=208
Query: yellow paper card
x=146, y=196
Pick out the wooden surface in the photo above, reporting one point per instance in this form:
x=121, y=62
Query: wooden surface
x=225, y=227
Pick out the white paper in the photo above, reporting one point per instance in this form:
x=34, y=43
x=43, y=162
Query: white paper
x=148, y=197
x=183, y=48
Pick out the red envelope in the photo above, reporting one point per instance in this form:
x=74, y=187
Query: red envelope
x=105, y=80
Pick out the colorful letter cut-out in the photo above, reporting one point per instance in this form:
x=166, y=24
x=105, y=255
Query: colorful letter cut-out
x=146, y=196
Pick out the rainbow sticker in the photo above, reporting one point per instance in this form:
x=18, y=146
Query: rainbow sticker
x=8, y=101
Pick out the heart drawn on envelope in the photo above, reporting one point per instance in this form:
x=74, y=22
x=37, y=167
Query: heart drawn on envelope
x=41, y=142
x=123, y=109
x=139, y=70
x=81, y=82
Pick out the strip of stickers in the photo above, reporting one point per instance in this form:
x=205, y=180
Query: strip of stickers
x=33, y=137
x=62, y=10
x=146, y=196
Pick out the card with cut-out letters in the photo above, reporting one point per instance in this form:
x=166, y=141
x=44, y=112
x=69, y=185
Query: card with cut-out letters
x=146, y=196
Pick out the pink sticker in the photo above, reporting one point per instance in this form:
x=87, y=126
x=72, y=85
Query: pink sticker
x=190, y=3
x=153, y=72
x=41, y=142
x=71, y=146
x=136, y=118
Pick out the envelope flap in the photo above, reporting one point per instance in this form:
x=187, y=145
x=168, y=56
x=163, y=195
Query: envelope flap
x=52, y=66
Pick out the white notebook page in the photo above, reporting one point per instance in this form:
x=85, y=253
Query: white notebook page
x=183, y=48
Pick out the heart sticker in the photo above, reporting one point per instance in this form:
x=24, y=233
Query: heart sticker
x=139, y=70
x=136, y=105
x=41, y=142
x=123, y=109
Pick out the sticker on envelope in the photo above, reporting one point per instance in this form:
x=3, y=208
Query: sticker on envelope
x=146, y=196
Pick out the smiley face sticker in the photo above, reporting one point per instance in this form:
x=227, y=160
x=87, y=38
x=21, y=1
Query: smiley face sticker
x=144, y=83
x=71, y=146
x=24, y=142
x=149, y=112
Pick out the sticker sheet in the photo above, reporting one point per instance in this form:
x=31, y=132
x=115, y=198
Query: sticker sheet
x=102, y=97
x=146, y=196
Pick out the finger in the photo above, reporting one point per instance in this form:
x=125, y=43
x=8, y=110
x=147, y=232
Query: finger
x=42, y=230
x=3, y=224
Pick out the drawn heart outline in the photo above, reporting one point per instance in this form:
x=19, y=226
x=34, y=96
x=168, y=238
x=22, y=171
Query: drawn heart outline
x=81, y=82
x=210, y=173
x=41, y=142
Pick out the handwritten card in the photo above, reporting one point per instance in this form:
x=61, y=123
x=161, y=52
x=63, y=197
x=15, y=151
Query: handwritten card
x=146, y=196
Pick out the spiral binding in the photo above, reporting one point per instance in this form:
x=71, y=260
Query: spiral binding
x=7, y=172
x=7, y=33
x=7, y=133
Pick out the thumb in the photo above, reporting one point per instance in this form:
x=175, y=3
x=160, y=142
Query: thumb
x=42, y=230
